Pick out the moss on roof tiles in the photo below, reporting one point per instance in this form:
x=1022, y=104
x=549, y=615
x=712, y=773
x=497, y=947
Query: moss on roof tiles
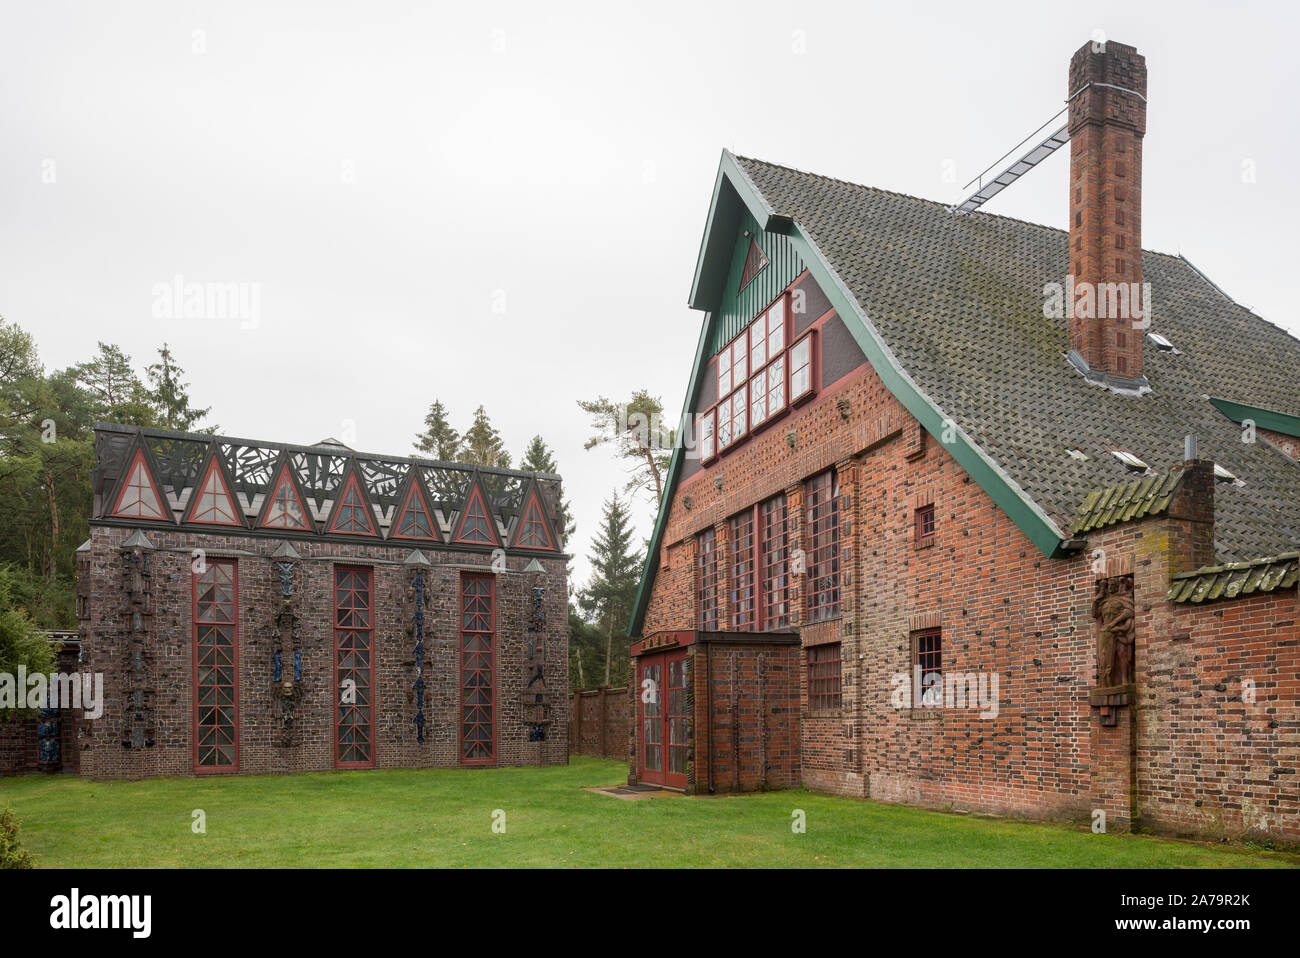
x=1136, y=499
x=1233, y=579
x=958, y=300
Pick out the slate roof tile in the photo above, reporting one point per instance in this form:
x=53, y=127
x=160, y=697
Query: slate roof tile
x=959, y=301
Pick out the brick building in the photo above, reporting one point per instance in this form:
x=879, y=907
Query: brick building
x=930, y=537
x=259, y=607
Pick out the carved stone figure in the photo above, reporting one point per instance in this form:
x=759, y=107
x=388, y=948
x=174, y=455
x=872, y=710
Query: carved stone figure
x=1113, y=610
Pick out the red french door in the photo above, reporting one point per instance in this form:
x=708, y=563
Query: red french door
x=662, y=725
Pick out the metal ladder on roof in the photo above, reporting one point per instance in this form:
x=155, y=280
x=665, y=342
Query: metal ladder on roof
x=1040, y=151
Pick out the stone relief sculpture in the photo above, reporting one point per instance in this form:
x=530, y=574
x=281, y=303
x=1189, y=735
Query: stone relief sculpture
x=1113, y=610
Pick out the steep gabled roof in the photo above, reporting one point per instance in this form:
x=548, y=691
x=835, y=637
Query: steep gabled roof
x=949, y=311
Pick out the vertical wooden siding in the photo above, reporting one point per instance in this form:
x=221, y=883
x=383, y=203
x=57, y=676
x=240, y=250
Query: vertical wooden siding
x=739, y=307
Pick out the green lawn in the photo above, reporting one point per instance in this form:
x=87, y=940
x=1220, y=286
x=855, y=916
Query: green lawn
x=444, y=818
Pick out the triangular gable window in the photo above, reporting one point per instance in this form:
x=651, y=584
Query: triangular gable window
x=476, y=523
x=139, y=498
x=285, y=510
x=213, y=503
x=351, y=514
x=534, y=533
x=414, y=520
x=754, y=264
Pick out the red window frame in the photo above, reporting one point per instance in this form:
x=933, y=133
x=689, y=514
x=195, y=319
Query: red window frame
x=215, y=618
x=823, y=518
x=744, y=403
x=280, y=513
x=477, y=721
x=354, y=659
x=925, y=524
x=706, y=581
x=927, y=655
x=825, y=688
x=744, y=602
x=774, y=563
x=146, y=501
x=214, y=506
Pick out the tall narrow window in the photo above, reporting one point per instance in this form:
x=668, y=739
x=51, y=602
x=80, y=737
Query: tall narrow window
x=706, y=582
x=775, y=563
x=706, y=427
x=824, y=689
x=824, y=547
x=477, y=670
x=743, y=606
x=927, y=656
x=801, y=364
x=353, y=668
x=216, y=667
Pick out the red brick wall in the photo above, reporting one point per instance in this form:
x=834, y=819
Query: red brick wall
x=168, y=656
x=754, y=692
x=600, y=722
x=1006, y=609
x=1289, y=445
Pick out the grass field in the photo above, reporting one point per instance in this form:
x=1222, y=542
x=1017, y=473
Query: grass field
x=444, y=818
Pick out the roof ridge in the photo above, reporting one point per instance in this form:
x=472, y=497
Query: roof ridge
x=981, y=213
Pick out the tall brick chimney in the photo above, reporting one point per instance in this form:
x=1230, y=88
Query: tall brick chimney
x=1107, y=120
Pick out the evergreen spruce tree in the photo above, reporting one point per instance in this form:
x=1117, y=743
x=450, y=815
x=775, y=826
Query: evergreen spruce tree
x=616, y=566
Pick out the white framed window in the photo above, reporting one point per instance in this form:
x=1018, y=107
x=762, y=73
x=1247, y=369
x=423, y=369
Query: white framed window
x=758, y=399
x=707, y=437
x=776, y=327
x=740, y=360
x=759, y=376
x=758, y=343
x=776, y=386
x=801, y=354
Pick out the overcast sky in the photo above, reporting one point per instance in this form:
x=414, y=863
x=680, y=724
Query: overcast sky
x=503, y=204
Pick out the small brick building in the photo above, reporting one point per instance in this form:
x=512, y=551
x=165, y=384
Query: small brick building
x=259, y=607
x=927, y=539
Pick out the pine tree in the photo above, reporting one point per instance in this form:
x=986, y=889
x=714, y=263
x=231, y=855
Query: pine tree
x=636, y=428
x=483, y=445
x=170, y=394
x=439, y=440
x=616, y=566
x=116, y=391
x=538, y=457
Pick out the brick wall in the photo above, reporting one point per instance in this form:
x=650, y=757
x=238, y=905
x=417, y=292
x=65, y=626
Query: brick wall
x=17, y=746
x=600, y=722
x=1186, y=756
x=750, y=693
x=168, y=655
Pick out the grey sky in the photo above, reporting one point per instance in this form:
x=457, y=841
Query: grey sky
x=392, y=175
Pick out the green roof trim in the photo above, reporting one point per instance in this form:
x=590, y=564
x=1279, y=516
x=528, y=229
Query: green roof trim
x=1270, y=419
x=1236, y=579
x=715, y=248
x=1127, y=501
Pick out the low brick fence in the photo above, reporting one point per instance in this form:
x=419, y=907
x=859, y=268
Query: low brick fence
x=600, y=722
